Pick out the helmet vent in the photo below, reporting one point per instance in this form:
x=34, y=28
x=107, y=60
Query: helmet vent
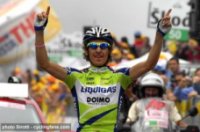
x=97, y=33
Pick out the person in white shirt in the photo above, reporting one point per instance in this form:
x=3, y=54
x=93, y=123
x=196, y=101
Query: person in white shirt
x=152, y=112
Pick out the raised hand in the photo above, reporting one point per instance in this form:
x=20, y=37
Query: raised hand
x=41, y=20
x=166, y=19
x=164, y=25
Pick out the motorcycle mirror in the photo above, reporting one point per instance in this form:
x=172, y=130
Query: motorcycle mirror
x=193, y=112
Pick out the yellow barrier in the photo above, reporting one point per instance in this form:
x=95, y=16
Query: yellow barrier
x=198, y=106
x=185, y=105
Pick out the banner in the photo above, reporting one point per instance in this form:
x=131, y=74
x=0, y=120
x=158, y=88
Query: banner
x=179, y=19
x=17, y=31
x=54, y=25
x=14, y=9
x=17, y=35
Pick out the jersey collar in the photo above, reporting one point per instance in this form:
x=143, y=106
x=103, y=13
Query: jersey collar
x=98, y=69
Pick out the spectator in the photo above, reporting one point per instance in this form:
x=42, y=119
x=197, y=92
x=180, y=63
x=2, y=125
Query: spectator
x=161, y=72
x=196, y=80
x=172, y=46
x=197, y=72
x=196, y=84
x=173, y=68
x=116, y=57
x=182, y=90
x=146, y=46
x=138, y=43
x=194, y=52
x=190, y=51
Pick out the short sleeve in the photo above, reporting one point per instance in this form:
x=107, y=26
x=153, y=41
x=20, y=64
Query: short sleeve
x=132, y=113
x=174, y=115
x=71, y=76
x=125, y=79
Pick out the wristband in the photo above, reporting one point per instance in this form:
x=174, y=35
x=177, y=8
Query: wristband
x=39, y=25
x=40, y=45
x=162, y=30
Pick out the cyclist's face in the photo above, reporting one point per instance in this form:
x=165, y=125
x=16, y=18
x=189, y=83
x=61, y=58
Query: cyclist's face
x=151, y=92
x=98, y=51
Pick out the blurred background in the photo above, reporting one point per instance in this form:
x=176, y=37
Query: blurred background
x=132, y=23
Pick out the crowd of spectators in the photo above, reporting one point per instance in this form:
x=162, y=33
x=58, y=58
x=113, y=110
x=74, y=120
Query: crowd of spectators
x=52, y=95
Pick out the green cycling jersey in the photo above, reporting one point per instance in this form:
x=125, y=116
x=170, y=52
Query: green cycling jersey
x=97, y=95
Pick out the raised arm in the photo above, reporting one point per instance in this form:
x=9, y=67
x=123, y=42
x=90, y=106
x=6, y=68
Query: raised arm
x=163, y=27
x=41, y=53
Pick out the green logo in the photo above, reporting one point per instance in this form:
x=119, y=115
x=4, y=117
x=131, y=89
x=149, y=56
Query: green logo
x=178, y=34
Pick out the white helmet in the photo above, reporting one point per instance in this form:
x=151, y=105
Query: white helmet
x=152, y=80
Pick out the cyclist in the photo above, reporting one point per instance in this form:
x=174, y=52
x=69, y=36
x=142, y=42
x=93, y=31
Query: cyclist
x=97, y=90
x=152, y=113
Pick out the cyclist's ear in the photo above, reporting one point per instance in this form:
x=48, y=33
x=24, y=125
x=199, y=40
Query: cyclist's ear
x=86, y=51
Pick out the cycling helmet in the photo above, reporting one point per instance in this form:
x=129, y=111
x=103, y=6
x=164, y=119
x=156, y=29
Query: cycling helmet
x=152, y=80
x=96, y=33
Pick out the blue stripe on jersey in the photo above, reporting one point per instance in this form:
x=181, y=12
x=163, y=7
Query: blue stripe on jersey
x=70, y=70
x=95, y=118
x=120, y=99
x=73, y=90
x=124, y=71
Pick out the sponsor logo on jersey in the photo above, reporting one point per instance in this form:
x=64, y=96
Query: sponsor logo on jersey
x=91, y=90
x=97, y=100
x=90, y=78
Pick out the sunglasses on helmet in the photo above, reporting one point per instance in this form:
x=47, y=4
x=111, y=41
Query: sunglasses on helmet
x=102, y=45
